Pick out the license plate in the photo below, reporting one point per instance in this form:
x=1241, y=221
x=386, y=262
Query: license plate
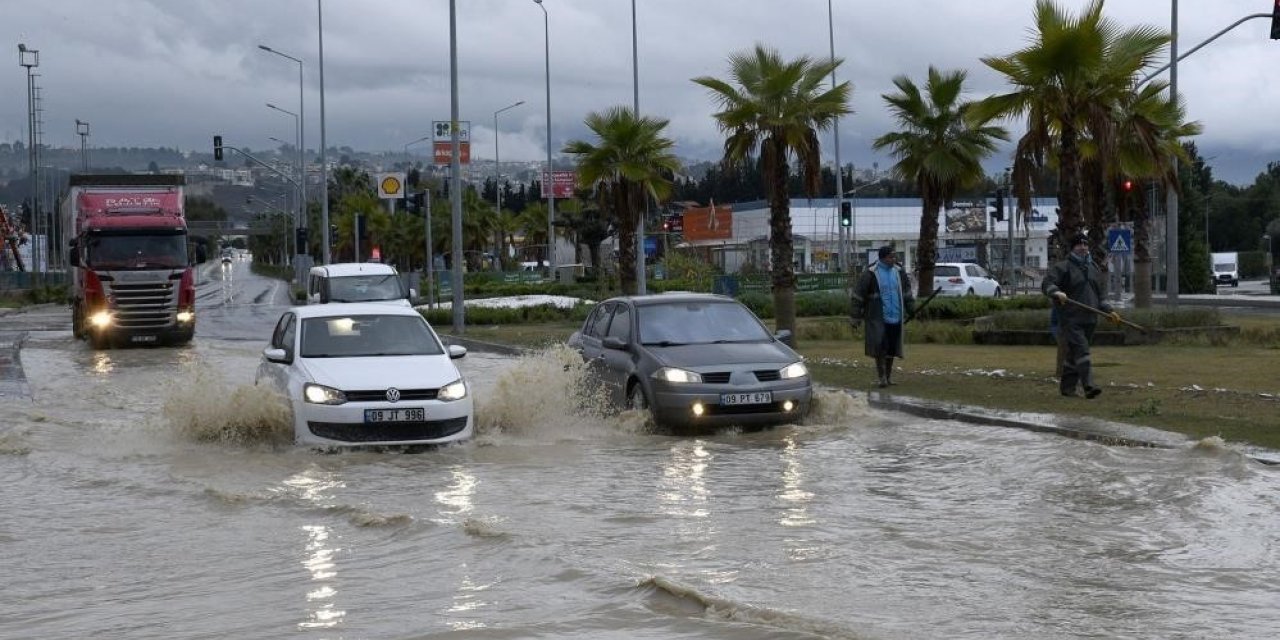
x=757, y=397
x=395, y=415
x=142, y=338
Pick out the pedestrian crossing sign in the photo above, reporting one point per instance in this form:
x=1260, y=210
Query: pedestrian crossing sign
x=1119, y=241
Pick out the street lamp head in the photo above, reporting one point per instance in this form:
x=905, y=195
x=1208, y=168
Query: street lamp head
x=271, y=106
x=22, y=48
x=266, y=48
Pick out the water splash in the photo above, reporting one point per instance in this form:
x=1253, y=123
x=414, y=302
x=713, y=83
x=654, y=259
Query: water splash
x=546, y=394
x=13, y=444
x=836, y=407
x=205, y=408
x=484, y=527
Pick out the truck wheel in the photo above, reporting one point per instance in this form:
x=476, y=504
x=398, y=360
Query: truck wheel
x=77, y=321
x=100, y=341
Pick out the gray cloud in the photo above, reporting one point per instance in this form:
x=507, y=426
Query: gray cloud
x=172, y=73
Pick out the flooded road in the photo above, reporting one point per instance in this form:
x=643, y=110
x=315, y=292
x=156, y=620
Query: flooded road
x=149, y=493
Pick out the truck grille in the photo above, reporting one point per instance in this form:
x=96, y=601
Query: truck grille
x=143, y=306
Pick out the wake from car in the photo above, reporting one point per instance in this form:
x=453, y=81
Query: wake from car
x=548, y=394
x=205, y=408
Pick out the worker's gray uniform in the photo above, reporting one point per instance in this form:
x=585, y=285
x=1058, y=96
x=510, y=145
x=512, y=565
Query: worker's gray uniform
x=1083, y=282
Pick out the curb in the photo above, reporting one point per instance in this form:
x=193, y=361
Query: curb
x=1101, y=431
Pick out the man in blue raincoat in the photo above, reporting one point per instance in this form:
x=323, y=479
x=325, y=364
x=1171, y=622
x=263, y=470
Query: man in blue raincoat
x=883, y=300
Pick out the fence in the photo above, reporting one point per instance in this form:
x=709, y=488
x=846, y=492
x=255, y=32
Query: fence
x=16, y=281
x=805, y=282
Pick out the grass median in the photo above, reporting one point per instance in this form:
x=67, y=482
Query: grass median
x=1200, y=389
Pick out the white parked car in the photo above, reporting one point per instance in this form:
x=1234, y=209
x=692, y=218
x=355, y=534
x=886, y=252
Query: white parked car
x=965, y=279
x=367, y=374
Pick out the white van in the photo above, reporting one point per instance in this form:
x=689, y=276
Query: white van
x=356, y=282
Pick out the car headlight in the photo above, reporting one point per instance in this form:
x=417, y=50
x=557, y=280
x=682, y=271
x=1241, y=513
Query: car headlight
x=320, y=394
x=455, y=390
x=672, y=374
x=794, y=370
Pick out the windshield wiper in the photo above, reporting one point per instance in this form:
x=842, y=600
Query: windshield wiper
x=725, y=341
x=665, y=343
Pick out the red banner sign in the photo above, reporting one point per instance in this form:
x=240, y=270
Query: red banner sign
x=564, y=184
x=714, y=222
x=99, y=202
x=444, y=152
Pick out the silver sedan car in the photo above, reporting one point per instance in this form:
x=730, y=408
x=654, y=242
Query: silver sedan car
x=693, y=360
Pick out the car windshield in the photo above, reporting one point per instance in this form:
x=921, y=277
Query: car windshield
x=679, y=323
x=365, y=288
x=138, y=251
x=942, y=271
x=367, y=335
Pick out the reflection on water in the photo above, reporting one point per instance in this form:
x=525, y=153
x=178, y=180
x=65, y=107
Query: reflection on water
x=458, y=499
x=683, y=492
x=793, y=493
x=102, y=364
x=319, y=559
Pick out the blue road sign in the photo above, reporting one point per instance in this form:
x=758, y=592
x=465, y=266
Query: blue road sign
x=1120, y=241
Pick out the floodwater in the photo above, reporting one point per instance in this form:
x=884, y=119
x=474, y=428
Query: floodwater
x=152, y=493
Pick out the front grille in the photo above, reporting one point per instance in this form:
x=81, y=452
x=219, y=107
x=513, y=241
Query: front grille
x=769, y=375
x=380, y=395
x=147, y=305
x=387, y=431
x=739, y=409
x=716, y=377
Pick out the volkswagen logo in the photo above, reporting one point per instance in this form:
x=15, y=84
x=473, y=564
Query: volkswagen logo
x=393, y=395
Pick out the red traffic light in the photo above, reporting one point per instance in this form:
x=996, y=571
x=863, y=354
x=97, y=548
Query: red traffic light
x=1128, y=186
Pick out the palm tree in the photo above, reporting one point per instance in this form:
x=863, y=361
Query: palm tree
x=777, y=107
x=630, y=162
x=1066, y=83
x=938, y=149
x=1148, y=128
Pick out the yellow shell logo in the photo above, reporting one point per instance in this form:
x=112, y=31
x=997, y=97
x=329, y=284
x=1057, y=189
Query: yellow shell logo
x=391, y=184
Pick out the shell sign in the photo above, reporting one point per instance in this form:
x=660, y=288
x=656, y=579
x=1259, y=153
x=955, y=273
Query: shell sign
x=714, y=222
x=390, y=185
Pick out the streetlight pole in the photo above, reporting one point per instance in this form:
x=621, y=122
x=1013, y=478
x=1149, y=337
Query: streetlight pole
x=642, y=284
x=497, y=180
x=1171, y=199
x=302, y=145
x=841, y=252
x=455, y=174
x=82, y=130
x=297, y=133
x=549, y=184
x=30, y=58
x=853, y=213
x=324, y=158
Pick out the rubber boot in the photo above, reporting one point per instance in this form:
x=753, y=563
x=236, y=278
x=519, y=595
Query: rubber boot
x=881, y=375
x=888, y=372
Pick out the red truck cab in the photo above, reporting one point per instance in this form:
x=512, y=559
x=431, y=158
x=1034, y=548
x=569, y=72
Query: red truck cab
x=133, y=279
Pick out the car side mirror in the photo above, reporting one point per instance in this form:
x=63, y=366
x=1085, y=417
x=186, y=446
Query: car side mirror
x=413, y=294
x=785, y=337
x=613, y=342
x=457, y=351
x=275, y=354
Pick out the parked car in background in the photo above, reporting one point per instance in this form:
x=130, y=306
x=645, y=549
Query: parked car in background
x=366, y=374
x=693, y=360
x=965, y=279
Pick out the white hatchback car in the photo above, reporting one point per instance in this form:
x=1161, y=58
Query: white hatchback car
x=964, y=279
x=367, y=374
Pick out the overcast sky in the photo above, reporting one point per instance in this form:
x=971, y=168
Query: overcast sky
x=174, y=72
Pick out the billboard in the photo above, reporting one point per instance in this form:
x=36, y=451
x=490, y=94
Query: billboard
x=562, y=184
x=964, y=217
x=714, y=222
x=443, y=152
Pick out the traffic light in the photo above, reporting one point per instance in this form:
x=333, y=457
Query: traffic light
x=217, y=145
x=1275, y=21
x=846, y=214
x=333, y=234
x=360, y=225
x=1127, y=185
x=415, y=202
x=300, y=237
x=997, y=211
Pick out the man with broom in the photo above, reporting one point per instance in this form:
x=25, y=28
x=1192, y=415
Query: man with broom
x=1079, y=288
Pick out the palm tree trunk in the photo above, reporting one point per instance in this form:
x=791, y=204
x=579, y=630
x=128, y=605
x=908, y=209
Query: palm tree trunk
x=1142, y=256
x=1069, y=195
x=1094, y=197
x=927, y=247
x=780, y=243
x=626, y=238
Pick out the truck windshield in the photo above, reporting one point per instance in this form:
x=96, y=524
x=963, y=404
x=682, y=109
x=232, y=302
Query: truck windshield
x=149, y=250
